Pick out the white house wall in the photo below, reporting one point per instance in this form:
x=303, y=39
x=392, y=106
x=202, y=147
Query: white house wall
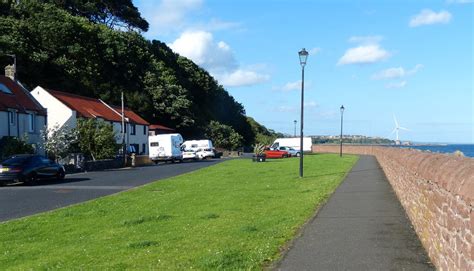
x=58, y=113
x=139, y=138
x=20, y=128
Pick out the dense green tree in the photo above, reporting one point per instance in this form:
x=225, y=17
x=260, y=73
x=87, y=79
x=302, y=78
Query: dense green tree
x=223, y=136
x=112, y=13
x=62, y=45
x=96, y=138
x=262, y=134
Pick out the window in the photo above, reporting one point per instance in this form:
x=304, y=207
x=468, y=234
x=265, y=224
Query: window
x=143, y=148
x=5, y=89
x=11, y=117
x=132, y=129
x=154, y=144
x=124, y=128
x=31, y=122
x=133, y=148
x=144, y=129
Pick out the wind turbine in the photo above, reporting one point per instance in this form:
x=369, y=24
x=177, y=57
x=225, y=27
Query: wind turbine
x=397, y=129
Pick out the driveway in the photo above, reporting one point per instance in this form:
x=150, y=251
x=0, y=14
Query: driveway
x=19, y=200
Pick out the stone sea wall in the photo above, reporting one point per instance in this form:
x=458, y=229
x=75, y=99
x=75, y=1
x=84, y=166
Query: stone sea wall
x=437, y=193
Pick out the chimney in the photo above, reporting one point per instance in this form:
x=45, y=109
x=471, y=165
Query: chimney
x=10, y=72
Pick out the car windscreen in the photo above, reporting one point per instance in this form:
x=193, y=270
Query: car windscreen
x=15, y=161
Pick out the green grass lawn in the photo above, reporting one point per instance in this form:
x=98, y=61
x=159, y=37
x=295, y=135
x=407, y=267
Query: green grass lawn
x=234, y=215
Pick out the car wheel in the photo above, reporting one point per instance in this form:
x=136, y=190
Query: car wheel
x=60, y=175
x=297, y=154
x=31, y=179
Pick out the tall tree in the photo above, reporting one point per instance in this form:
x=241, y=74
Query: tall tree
x=112, y=13
x=58, y=47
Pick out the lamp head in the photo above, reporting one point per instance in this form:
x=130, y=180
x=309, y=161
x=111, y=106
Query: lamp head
x=342, y=108
x=303, y=56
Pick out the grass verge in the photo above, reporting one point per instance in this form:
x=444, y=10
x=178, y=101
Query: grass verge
x=234, y=215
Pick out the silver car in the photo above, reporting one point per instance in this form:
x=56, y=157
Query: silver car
x=290, y=151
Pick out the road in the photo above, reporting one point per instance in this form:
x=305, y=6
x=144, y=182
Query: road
x=20, y=200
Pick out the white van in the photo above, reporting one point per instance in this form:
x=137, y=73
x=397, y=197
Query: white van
x=293, y=142
x=203, y=148
x=165, y=147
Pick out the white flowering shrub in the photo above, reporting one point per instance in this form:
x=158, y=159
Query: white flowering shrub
x=58, y=140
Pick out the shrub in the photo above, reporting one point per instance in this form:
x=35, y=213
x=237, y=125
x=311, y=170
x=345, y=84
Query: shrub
x=10, y=145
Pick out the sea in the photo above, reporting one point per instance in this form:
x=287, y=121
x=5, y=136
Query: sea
x=466, y=149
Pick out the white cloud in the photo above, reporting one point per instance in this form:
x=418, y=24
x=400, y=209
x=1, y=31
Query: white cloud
x=400, y=84
x=215, y=25
x=389, y=73
x=168, y=15
x=311, y=104
x=296, y=85
x=364, y=54
x=314, y=51
x=201, y=48
x=460, y=1
x=286, y=109
x=240, y=78
x=398, y=72
x=217, y=58
x=427, y=17
x=366, y=39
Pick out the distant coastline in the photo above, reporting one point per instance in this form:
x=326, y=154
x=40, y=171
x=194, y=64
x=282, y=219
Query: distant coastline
x=466, y=149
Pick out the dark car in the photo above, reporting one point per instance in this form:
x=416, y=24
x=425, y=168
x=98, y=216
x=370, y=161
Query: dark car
x=29, y=169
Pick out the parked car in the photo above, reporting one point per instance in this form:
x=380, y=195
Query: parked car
x=275, y=153
x=291, y=151
x=204, y=153
x=29, y=169
x=189, y=155
x=195, y=145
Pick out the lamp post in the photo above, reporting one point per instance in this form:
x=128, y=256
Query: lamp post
x=342, y=116
x=303, y=54
x=295, y=126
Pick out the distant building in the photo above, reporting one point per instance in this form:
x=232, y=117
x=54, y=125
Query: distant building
x=20, y=114
x=157, y=129
x=65, y=108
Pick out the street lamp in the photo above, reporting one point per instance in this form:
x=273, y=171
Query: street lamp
x=295, y=126
x=342, y=116
x=303, y=54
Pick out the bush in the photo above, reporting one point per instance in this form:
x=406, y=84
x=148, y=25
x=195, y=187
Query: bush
x=223, y=136
x=97, y=139
x=10, y=145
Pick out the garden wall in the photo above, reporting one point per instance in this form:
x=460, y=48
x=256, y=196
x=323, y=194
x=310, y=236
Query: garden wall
x=103, y=164
x=437, y=192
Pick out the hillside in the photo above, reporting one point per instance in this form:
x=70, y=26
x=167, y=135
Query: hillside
x=95, y=49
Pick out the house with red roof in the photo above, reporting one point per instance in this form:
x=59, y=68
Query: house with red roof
x=65, y=108
x=158, y=129
x=20, y=114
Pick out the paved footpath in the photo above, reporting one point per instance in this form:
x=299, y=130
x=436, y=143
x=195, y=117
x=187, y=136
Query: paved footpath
x=362, y=227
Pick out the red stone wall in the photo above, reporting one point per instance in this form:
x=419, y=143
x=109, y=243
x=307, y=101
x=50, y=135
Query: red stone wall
x=437, y=192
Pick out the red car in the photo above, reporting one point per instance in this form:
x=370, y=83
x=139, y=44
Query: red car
x=270, y=153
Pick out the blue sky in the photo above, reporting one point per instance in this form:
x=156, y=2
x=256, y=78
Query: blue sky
x=411, y=59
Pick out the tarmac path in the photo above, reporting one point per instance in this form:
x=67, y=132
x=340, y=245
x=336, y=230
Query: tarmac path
x=361, y=227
